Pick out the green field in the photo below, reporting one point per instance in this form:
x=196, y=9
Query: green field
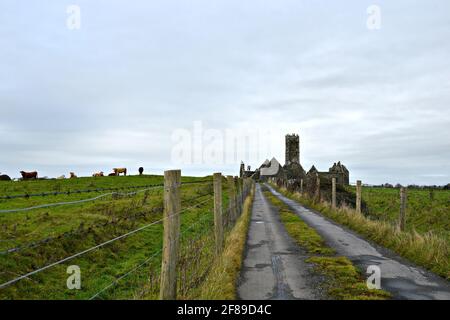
x=72, y=228
x=427, y=211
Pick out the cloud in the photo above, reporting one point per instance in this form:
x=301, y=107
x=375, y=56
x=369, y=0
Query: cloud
x=114, y=92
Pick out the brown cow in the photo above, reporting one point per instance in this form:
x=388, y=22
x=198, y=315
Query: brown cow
x=73, y=175
x=118, y=171
x=29, y=175
x=98, y=174
x=113, y=174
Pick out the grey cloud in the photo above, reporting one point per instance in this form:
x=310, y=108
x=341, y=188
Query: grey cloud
x=117, y=89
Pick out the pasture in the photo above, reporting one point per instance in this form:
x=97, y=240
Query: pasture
x=427, y=210
x=124, y=269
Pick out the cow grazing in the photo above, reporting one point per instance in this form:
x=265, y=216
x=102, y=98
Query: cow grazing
x=4, y=177
x=29, y=175
x=61, y=177
x=98, y=174
x=73, y=175
x=118, y=171
x=141, y=171
x=112, y=174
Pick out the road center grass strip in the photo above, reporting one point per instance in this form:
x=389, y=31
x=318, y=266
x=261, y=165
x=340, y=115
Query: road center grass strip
x=345, y=281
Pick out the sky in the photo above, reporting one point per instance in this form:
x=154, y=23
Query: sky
x=167, y=84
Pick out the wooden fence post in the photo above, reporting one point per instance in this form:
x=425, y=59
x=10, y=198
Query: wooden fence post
x=317, y=191
x=402, y=222
x=244, y=188
x=238, y=197
x=218, y=219
x=240, y=192
x=171, y=237
x=333, y=193
x=232, y=198
x=301, y=186
x=358, y=196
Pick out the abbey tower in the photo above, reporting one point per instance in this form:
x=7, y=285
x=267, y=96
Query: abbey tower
x=292, y=149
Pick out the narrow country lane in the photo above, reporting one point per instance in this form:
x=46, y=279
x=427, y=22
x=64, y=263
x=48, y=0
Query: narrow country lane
x=402, y=279
x=274, y=266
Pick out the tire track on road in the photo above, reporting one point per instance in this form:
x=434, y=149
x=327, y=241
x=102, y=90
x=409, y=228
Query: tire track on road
x=274, y=266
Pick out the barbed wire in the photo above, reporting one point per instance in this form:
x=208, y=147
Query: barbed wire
x=192, y=251
x=69, y=192
x=5, y=284
x=48, y=205
x=34, y=244
x=115, y=281
x=87, y=229
x=196, y=182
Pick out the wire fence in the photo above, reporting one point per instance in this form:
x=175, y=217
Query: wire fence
x=71, y=192
x=7, y=283
x=80, y=230
x=195, y=255
x=91, y=228
x=197, y=247
x=55, y=204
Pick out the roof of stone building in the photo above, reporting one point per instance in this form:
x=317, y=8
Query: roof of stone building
x=313, y=170
x=272, y=169
x=338, y=168
x=265, y=163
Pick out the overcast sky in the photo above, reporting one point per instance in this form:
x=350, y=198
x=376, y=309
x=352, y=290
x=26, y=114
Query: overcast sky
x=116, y=91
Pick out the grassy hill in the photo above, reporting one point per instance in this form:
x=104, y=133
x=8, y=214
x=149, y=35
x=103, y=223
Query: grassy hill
x=43, y=236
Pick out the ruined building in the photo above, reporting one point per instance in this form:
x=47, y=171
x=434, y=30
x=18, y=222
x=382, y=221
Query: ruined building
x=292, y=169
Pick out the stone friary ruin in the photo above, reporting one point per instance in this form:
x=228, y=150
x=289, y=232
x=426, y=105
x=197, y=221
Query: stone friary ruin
x=292, y=171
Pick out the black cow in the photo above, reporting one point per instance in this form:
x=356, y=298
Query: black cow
x=4, y=177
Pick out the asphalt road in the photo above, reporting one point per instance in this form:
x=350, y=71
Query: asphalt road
x=401, y=278
x=274, y=266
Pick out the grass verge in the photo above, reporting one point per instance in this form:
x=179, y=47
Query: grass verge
x=427, y=250
x=220, y=283
x=345, y=280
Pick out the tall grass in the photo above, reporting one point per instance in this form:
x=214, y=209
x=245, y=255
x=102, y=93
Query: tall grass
x=427, y=250
x=221, y=282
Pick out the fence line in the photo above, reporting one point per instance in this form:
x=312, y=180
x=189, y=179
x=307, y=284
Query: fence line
x=48, y=205
x=3, y=285
x=69, y=192
x=239, y=190
x=114, y=282
x=37, y=243
x=34, y=244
